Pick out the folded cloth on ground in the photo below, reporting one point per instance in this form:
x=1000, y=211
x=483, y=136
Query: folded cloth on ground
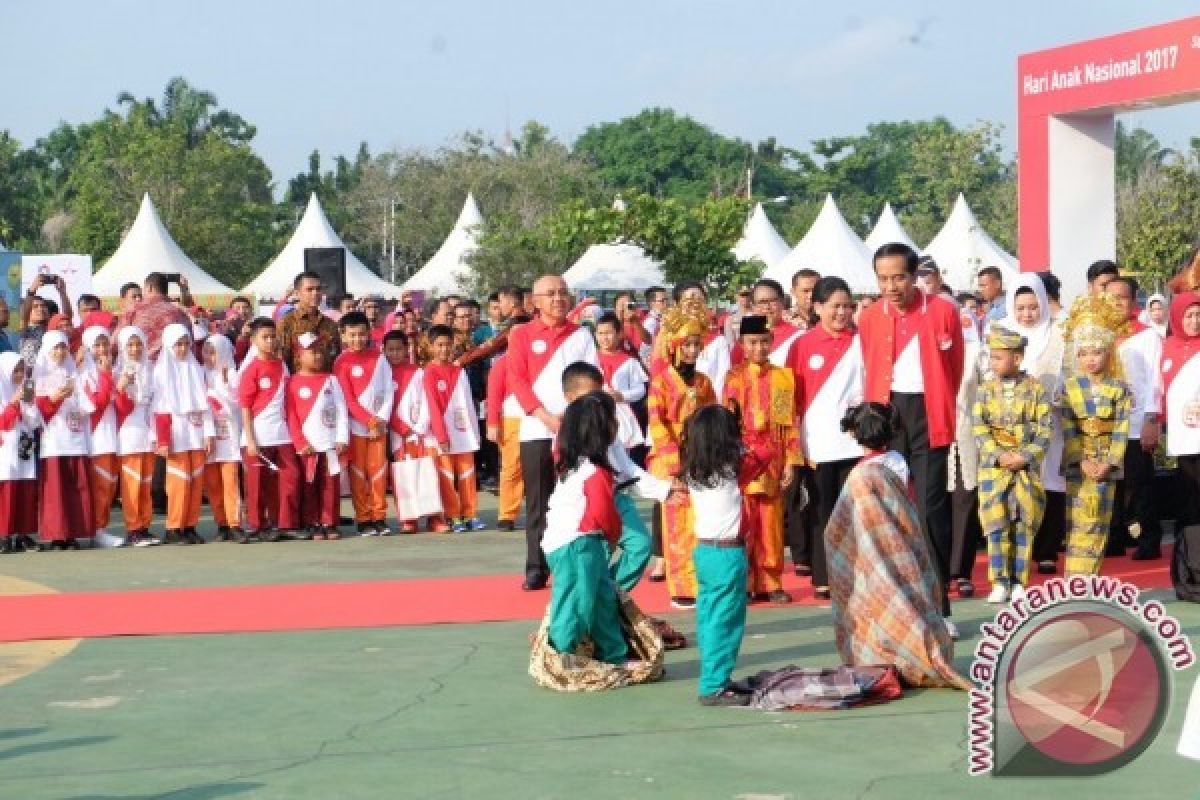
x=795, y=688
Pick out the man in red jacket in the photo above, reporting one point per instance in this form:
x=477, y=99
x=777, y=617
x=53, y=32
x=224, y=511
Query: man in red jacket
x=913, y=354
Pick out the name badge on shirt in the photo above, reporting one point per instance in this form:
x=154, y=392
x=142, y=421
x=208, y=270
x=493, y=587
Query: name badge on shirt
x=222, y=428
x=1191, y=414
x=75, y=421
x=329, y=416
x=196, y=419
x=460, y=420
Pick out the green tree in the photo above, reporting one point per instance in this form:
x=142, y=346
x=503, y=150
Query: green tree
x=1156, y=216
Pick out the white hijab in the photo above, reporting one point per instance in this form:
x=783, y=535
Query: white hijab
x=8, y=363
x=1145, y=318
x=88, y=369
x=141, y=376
x=225, y=373
x=178, y=383
x=1037, y=335
x=49, y=377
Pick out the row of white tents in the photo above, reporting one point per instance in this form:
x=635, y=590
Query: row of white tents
x=830, y=246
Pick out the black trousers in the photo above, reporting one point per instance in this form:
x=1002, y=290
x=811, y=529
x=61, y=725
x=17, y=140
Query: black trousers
x=1134, y=503
x=537, y=468
x=1053, y=531
x=1185, y=556
x=656, y=530
x=827, y=482
x=487, y=457
x=928, y=468
x=967, y=530
x=798, y=519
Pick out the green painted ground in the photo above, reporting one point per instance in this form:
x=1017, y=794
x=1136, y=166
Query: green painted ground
x=448, y=711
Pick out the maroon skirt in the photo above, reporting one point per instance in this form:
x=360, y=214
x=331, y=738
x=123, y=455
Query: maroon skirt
x=66, y=508
x=18, y=507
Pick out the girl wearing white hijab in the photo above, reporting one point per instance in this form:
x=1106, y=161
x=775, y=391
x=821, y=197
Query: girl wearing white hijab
x=96, y=381
x=18, y=465
x=135, y=434
x=1030, y=315
x=184, y=431
x=221, y=469
x=1153, y=317
x=63, y=482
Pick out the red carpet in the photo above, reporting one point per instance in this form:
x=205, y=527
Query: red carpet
x=364, y=604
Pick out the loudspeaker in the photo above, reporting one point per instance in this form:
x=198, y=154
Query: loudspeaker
x=330, y=264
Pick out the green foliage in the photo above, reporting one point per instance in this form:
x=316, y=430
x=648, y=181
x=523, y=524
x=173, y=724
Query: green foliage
x=1156, y=217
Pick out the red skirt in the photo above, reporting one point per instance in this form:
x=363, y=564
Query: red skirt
x=18, y=507
x=66, y=509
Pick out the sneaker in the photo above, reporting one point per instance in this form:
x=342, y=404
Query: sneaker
x=367, y=529
x=459, y=526
x=725, y=698
x=951, y=629
x=779, y=597
x=140, y=539
x=506, y=525
x=243, y=535
x=683, y=603
x=998, y=595
x=193, y=537
x=476, y=524
x=1018, y=593
x=381, y=527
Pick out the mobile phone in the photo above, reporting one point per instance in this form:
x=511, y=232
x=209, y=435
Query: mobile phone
x=171, y=277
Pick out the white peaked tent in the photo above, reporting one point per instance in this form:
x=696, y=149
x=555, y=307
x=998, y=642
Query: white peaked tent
x=888, y=229
x=831, y=247
x=962, y=247
x=760, y=240
x=614, y=266
x=314, y=230
x=447, y=270
x=148, y=247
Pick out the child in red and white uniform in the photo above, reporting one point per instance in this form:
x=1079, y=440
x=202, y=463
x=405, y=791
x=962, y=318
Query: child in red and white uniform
x=317, y=419
x=95, y=372
x=272, y=468
x=135, y=435
x=19, y=420
x=66, y=499
x=222, y=467
x=410, y=415
x=366, y=380
x=183, y=428
x=624, y=379
x=453, y=432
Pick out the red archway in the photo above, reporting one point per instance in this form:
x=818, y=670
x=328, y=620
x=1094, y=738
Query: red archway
x=1067, y=101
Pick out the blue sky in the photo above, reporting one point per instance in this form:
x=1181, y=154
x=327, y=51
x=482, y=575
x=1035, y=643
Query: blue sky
x=403, y=74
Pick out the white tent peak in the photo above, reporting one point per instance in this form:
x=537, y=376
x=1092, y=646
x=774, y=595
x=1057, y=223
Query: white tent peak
x=314, y=230
x=888, y=229
x=760, y=240
x=148, y=247
x=831, y=247
x=446, y=272
x=962, y=247
x=620, y=265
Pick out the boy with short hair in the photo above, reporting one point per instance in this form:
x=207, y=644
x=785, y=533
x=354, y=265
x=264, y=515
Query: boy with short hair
x=1012, y=426
x=410, y=414
x=453, y=433
x=272, y=469
x=317, y=420
x=366, y=381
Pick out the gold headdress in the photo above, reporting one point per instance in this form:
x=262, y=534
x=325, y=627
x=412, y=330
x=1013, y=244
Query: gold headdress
x=689, y=318
x=1001, y=338
x=1096, y=321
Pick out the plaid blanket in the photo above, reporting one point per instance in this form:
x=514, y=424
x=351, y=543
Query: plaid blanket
x=820, y=689
x=883, y=583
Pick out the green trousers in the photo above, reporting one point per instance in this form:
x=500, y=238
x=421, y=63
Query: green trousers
x=583, y=600
x=635, y=545
x=720, y=612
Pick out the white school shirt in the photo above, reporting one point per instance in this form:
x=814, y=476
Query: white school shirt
x=328, y=422
x=270, y=424
x=460, y=419
x=1183, y=409
x=1140, y=355
x=630, y=380
x=136, y=432
x=104, y=434
x=821, y=434
x=69, y=431
x=412, y=409
x=376, y=395
x=717, y=512
x=566, y=508
x=190, y=430
x=547, y=384
x=12, y=466
x=227, y=417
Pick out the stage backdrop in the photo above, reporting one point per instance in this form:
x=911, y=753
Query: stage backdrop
x=76, y=271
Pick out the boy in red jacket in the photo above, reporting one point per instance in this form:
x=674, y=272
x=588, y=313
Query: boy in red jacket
x=453, y=431
x=410, y=416
x=317, y=420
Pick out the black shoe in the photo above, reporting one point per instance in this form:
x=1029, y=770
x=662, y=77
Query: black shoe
x=28, y=543
x=8, y=546
x=821, y=593
x=381, y=527
x=71, y=544
x=173, y=536
x=285, y=535
x=193, y=537
x=803, y=570
x=725, y=698
x=534, y=581
x=779, y=597
x=506, y=525
x=1146, y=554
x=242, y=536
x=224, y=534
x=966, y=589
x=1047, y=567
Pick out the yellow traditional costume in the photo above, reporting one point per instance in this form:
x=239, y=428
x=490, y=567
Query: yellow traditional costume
x=676, y=391
x=1010, y=415
x=1095, y=423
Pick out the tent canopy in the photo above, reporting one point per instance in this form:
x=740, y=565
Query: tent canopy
x=314, y=230
x=614, y=266
x=760, y=240
x=831, y=247
x=962, y=247
x=447, y=272
x=888, y=229
x=148, y=247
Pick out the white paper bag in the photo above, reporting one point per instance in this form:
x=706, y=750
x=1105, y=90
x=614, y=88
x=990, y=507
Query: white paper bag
x=415, y=484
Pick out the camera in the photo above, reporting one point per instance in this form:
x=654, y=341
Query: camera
x=171, y=277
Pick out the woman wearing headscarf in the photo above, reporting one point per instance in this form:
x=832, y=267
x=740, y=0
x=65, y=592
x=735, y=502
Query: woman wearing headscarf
x=96, y=381
x=63, y=482
x=1154, y=315
x=135, y=434
x=1180, y=369
x=221, y=469
x=19, y=420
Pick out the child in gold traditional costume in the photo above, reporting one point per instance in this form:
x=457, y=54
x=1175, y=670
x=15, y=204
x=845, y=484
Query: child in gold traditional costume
x=1095, y=423
x=1011, y=422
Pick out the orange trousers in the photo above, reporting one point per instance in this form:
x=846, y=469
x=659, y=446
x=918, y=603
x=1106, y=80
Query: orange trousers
x=679, y=540
x=224, y=496
x=185, y=488
x=764, y=542
x=456, y=481
x=137, y=471
x=512, y=483
x=368, y=466
x=103, y=480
